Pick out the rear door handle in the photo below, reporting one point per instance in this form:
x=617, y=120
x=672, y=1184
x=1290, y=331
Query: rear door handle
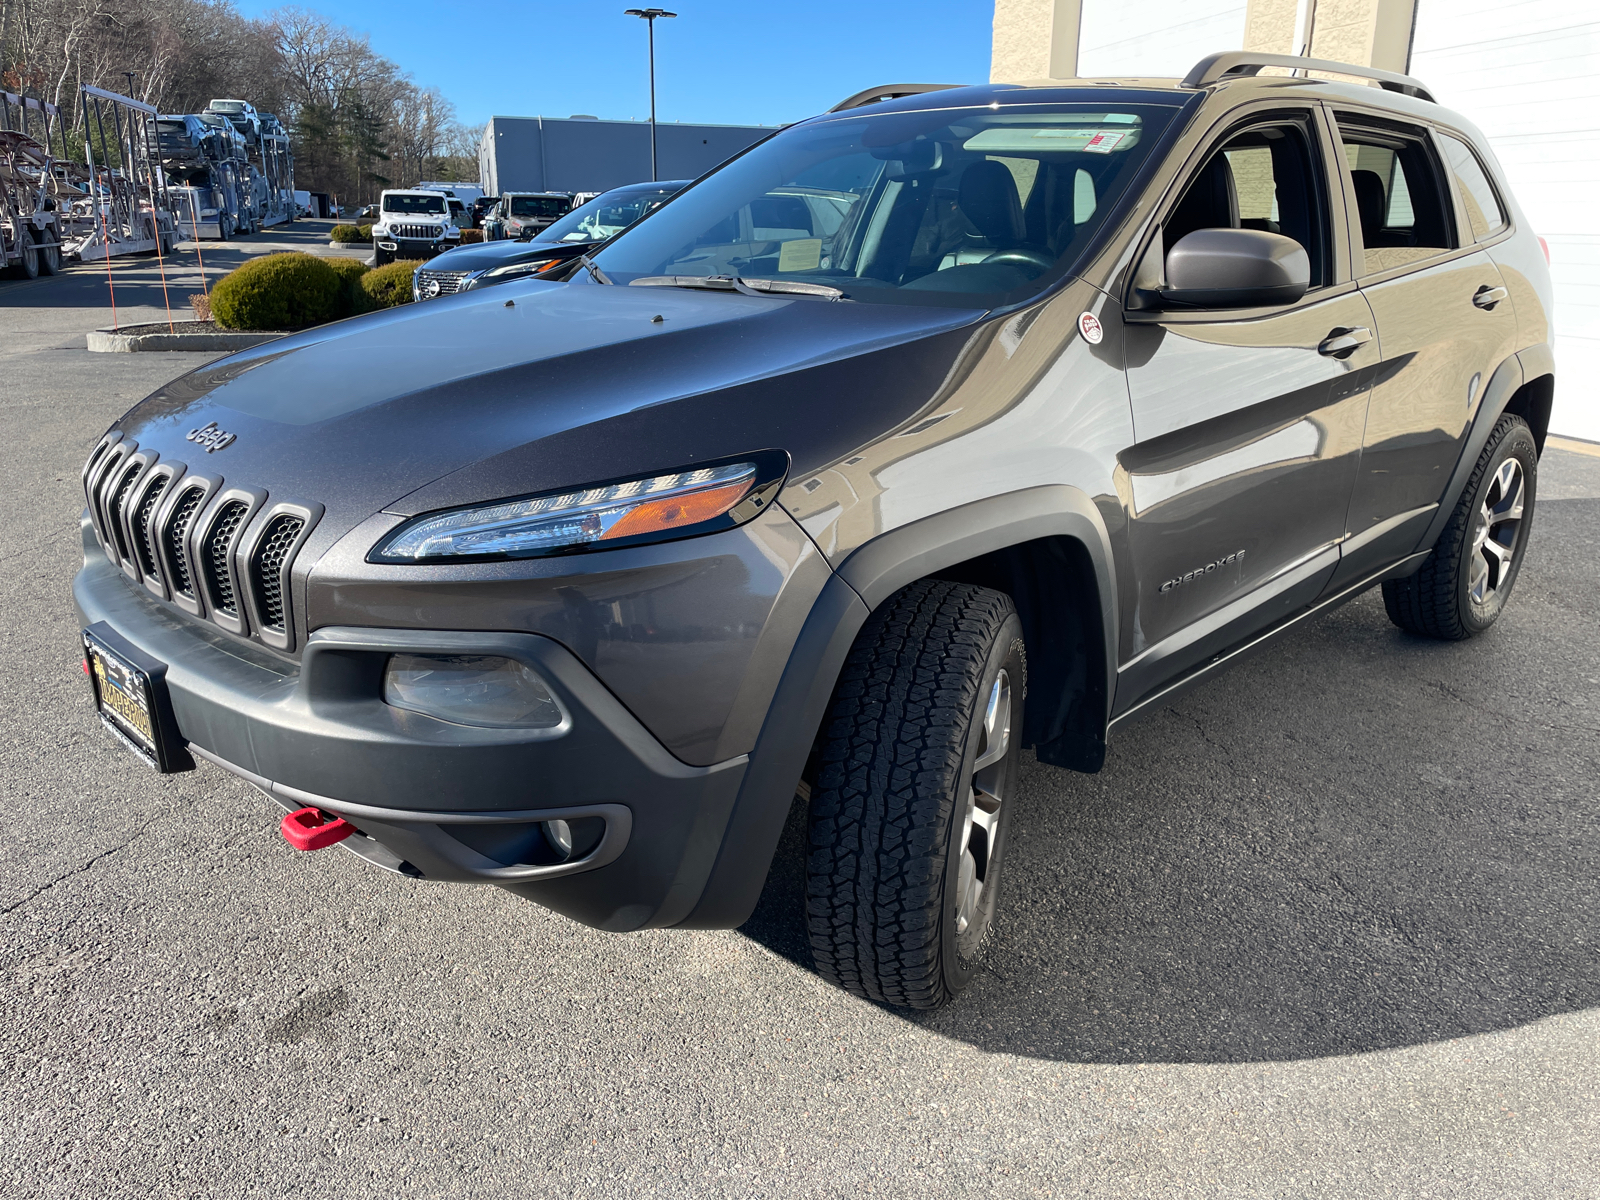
x=1488, y=297
x=1342, y=341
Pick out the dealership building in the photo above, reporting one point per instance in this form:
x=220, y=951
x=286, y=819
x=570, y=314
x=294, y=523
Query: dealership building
x=585, y=154
x=1523, y=71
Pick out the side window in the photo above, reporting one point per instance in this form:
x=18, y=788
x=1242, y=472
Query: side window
x=1483, y=208
x=1267, y=178
x=1398, y=198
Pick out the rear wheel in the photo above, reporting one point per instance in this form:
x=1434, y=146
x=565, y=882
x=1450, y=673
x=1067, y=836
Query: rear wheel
x=1465, y=582
x=912, y=800
x=49, y=256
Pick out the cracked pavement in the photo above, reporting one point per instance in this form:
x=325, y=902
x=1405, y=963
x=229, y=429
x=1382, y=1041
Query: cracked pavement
x=1323, y=927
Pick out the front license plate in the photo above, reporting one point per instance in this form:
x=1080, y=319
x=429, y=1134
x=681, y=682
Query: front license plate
x=130, y=696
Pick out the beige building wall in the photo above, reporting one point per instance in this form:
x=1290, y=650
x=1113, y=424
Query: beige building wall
x=1038, y=39
x=1034, y=39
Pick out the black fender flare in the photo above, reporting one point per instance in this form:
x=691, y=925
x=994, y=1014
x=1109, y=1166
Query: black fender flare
x=869, y=576
x=1507, y=379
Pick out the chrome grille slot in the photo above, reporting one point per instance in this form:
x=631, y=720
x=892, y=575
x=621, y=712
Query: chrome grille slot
x=214, y=557
x=139, y=524
x=88, y=469
x=267, y=568
x=119, y=497
x=177, y=530
x=450, y=282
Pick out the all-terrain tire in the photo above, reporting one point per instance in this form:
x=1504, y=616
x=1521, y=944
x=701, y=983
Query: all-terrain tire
x=890, y=800
x=1438, y=600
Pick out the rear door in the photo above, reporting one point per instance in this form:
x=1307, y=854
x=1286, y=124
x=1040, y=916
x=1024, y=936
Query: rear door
x=1444, y=323
x=1248, y=424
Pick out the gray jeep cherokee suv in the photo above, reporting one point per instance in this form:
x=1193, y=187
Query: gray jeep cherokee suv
x=950, y=423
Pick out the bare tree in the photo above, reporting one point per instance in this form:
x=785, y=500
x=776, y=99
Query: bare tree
x=357, y=121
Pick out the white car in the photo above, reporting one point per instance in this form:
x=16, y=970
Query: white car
x=413, y=223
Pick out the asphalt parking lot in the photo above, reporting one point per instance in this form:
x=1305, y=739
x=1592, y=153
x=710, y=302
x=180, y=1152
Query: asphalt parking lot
x=1325, y=927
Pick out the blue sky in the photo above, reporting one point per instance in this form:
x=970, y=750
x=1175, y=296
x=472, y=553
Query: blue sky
x=754, y=62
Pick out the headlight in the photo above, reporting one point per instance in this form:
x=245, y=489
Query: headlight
x=682, y=504
x=471, y=689
x=522, y=268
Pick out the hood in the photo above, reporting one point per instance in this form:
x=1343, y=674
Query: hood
x=485, y=256
x=539, y=385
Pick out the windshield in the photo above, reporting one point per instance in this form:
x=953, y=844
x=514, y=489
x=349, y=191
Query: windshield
x=607, y=215
x=954, y=206
x=413, y=204
x=539, y=206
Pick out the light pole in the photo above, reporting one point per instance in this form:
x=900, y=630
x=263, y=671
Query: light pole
x=650, y=15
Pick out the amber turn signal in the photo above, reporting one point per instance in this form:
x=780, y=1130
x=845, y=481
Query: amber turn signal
x=674, y=512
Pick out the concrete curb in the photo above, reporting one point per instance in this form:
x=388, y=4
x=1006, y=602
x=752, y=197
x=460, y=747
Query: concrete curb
x=108, y=341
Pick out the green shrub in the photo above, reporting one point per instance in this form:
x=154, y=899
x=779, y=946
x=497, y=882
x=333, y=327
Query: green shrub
x=352, y=300
x=277, y=291
x=346, y=233
x=390, y=286
x=364, y=233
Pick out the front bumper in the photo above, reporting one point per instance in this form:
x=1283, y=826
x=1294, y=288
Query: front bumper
x=408, y=248
x=433, y=799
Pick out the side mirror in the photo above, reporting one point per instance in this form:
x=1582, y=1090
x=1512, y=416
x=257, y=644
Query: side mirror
x=1236, y=268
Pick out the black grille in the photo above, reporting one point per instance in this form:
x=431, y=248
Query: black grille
x=426, y=232
x=214, y=557
x=266, y=568
x=177, y=529
x=114, y=509
x=154, y=523
x=143, y=543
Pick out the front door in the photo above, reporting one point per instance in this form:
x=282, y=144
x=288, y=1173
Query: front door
x=1444, y=323
x=1248, y=426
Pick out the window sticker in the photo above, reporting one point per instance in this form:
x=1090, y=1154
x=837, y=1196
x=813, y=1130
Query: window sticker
x=1103, y=143
x=802, y=254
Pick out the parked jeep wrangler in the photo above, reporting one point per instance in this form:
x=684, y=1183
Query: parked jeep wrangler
x=952, y=423
x=413, y=224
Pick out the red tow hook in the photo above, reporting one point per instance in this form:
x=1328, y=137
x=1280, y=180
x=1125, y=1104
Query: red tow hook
x=313, y=829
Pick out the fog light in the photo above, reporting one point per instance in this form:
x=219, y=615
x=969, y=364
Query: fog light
x=472, y=689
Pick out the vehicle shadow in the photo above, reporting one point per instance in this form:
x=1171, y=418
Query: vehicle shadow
x=1335, y=848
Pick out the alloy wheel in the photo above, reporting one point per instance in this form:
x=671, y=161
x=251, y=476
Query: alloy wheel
x=981, y=825
x=1495, y=532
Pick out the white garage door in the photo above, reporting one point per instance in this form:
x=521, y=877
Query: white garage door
x=1528, y=74
x=1155, y=38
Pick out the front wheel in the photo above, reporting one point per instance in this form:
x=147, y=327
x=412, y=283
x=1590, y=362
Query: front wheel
x=1463, y=585
x=27, y=254
x=912, y=800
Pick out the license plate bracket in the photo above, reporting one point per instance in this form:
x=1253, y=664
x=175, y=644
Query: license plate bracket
x=131, y=699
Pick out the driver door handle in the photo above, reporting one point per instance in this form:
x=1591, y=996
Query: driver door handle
x=1342, y=341
x=1488, y=297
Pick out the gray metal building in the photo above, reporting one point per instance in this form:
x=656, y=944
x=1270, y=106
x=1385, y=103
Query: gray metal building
x=584, y=154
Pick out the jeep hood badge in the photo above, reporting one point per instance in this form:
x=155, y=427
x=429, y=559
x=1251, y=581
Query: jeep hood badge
x=212, y=438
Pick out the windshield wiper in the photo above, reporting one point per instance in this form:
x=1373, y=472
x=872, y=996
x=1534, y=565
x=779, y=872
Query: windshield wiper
x=588, y=265
x=737, y=283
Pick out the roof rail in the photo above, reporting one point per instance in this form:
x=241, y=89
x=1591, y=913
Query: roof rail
x=1216, y=67
x=890, y=91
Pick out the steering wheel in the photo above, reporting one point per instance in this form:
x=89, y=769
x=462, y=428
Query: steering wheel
x=1021, y=256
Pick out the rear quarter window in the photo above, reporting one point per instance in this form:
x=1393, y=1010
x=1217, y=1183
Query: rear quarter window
x=1484, y=213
